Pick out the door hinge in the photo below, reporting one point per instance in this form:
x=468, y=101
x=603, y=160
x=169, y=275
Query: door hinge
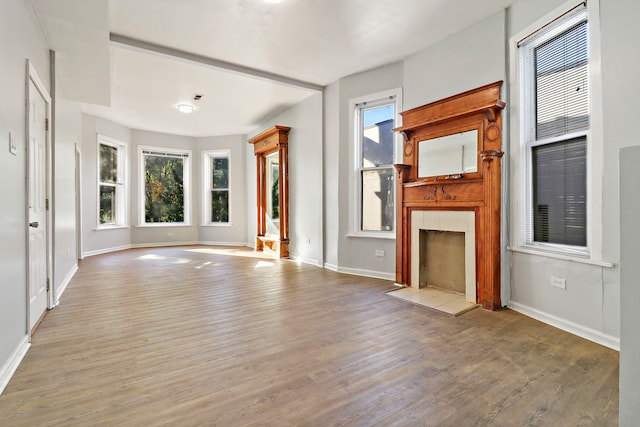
x=46, y=204
x=48, y=285
x=46, y=124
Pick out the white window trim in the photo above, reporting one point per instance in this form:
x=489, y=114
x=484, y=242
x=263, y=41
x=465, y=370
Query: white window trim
x=207, y=157
x=186, y=185
x=355, y=199
x=595, y=149
x=122, y=203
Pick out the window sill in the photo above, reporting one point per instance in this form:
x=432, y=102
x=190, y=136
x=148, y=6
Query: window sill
x=554, y=255
x=382, y=236
x=221, y=224
x=111, y=227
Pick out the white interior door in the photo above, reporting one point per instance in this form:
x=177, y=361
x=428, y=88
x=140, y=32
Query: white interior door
x=37, y=199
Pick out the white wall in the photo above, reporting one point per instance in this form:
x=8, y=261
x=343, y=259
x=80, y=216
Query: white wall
x=68, y=133
x=465, y=60
x=94, y=240
x=355, y=254
x=589, y=306
x=331, y=174
x=236, y=232
x=630, y=291
x=21, y=38
x=305, y=179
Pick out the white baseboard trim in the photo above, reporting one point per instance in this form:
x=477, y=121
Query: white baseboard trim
x=65, y=283
x=10, y=367
x=105, y=251
x=361, y=272
x=233, y=244
x=309, y=261
x=162, y=244
x=331, y=267
x=568, y=326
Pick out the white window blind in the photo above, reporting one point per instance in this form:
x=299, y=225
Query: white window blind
x=562, y=89
x=560, y=192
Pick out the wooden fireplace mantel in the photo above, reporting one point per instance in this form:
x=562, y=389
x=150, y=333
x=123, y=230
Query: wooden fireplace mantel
x=272, y=141
x=478, y=109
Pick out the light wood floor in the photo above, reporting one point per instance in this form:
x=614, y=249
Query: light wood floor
x=211, y=336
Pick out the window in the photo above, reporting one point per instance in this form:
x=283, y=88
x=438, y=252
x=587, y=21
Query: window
x=164, y=186
x=216, y=187
x=554, y=64
x=111, y=182
x=375, y=145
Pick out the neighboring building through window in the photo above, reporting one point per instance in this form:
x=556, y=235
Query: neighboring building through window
x=164, y=185
x=217, y=185
x=374, y=148
x=112, y=198
x=554, y=64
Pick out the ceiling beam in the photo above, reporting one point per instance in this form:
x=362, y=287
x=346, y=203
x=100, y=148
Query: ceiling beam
x=210, y=62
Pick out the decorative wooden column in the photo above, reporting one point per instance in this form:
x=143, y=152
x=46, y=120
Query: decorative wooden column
x=478, y=191
x=274, y=139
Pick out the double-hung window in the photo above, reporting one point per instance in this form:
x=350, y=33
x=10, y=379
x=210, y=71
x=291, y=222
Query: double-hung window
x=374, y=118
x=554, y=77
x=217, y=185
x=164, y=179
x=112, y=161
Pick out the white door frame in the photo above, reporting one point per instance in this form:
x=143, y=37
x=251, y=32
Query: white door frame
x=78, y=160
x=32, y=77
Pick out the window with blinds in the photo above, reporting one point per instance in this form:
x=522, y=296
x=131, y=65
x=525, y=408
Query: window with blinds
x=555, y=72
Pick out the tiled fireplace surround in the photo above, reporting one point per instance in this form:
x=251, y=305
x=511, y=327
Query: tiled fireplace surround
x=442, y=220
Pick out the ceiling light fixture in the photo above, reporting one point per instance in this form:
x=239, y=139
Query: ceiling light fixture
x=272, y=1
x=185, y=108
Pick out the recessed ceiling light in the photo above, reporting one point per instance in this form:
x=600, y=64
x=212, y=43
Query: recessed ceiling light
x=272, y=1
x=185, y=108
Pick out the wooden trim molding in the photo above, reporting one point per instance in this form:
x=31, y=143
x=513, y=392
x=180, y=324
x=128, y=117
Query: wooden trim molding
x=479, y=191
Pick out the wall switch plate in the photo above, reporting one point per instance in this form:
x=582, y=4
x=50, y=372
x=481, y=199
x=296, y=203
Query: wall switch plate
x=558, y=282
x=13, y=148
x=379, y=252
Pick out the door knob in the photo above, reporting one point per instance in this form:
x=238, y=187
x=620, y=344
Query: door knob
x=34, y=224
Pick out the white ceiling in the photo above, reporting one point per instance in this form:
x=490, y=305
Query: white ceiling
x=249, y=59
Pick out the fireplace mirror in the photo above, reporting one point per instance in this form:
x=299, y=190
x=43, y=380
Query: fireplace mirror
x=272, y=211
x=450, y=155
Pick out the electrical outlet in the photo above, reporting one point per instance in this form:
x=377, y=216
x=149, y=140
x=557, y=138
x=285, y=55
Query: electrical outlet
x=379, y=252
x=558, y=282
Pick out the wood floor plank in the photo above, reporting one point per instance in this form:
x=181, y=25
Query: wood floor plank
x=214, y=336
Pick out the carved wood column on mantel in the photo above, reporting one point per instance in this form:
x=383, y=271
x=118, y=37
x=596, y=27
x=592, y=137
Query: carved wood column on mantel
x=403, y=176
x=478, y=191
x=492, y=166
